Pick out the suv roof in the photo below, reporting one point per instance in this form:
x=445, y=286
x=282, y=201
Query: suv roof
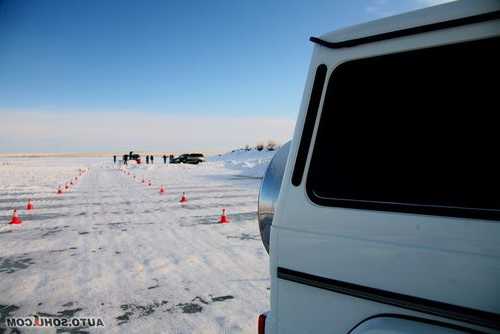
x=431, y=18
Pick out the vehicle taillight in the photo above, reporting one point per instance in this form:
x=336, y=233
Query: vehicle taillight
x=261, y=325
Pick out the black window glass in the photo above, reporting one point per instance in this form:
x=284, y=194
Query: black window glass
x=416, y=131
x=309, y=122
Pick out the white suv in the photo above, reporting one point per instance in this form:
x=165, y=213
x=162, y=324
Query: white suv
x=385, y=206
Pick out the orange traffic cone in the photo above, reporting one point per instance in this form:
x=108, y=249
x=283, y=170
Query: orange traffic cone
x=223, y=218
x=162, y=190
x=15, y=218
x=59, y=190
x=183, y=198
x=29, y=206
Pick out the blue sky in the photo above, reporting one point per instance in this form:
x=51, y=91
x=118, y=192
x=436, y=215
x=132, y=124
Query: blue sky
x=181, y=60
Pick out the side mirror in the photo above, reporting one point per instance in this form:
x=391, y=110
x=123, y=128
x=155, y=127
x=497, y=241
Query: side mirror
x=269, y=191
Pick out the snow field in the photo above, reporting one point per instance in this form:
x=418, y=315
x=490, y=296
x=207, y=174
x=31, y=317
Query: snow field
x=251, y=163
x=115, y=248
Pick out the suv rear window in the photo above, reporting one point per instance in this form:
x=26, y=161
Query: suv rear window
x=413, y=132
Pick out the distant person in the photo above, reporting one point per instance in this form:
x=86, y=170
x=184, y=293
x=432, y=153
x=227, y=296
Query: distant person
x=152, y=159
x=171, y=157
x=125, y=158
x=164, y=159
x=114, y=159
x=147, y=159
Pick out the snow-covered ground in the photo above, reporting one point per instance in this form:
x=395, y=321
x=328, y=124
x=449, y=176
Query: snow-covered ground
x=251, y=163
x=114, y=247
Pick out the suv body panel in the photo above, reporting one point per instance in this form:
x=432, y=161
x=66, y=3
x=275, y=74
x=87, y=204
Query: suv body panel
x=443, y=259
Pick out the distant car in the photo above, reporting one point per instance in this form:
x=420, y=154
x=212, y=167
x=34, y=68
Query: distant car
x=132, y=157
x=188, y=158
x=136, y=157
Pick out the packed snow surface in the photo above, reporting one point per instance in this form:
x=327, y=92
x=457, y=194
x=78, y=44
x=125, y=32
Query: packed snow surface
x=112, y=246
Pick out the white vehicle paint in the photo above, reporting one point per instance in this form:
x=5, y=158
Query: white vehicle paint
x=342, y=265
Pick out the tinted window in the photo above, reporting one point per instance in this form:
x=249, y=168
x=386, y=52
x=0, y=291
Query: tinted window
x=414, y=132
x=309, y=122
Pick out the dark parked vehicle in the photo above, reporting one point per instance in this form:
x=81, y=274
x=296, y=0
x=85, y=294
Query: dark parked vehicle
x=188, y=158
x=136, y=157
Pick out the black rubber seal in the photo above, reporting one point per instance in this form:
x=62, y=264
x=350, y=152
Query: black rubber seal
x=445, y=310
x=408, y=31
